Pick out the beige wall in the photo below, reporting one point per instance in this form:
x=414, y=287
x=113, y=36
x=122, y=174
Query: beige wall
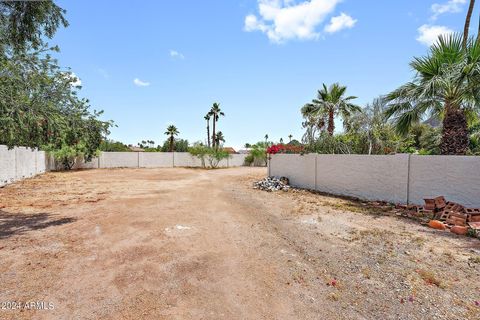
x=398, y=178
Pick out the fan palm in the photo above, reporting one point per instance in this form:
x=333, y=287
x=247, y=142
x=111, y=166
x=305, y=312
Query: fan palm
x=207, y=118
x=219, y=138
x=172, y=131
x=467, y=23
x=216, y=113
x=447, y=85
x=330, y=102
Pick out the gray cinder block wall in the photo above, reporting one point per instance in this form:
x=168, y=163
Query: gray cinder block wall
x=400, y=178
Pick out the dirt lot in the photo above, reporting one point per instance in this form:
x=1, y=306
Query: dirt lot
x=194, y=244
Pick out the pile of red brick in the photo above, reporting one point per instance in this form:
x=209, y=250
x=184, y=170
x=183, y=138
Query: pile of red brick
x=452, y=215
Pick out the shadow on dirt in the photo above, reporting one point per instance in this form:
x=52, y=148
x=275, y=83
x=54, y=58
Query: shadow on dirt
x=12, y=224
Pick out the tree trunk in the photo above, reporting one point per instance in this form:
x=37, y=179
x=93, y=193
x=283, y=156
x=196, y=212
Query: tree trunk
x=208, y=132
x=171, y=143
x=213, y=135
x=467, y=23
x=331, y=123
x=455, y=133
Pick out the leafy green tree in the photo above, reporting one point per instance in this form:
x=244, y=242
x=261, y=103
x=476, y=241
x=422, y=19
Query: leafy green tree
x=330, y=102
x=172, y=131
x=447, y=85
x=25, y=24
x=113, y=146
x=215, y=113
x=180, y=145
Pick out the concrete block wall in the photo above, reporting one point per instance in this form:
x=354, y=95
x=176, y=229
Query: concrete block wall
x=362, y=176
x=156, y=159
x=20, y=163
x=455, y=177
x=398, y=178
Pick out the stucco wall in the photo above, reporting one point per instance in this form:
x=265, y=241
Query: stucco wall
x=156, y=159
x=20, y=163
x=119, y=160
x=185, y=159
x=26, y=162
x=397, y=178
x=367, y=177
x=236, y=160
x=455, y=177
x=299, y=169
x=7, y=165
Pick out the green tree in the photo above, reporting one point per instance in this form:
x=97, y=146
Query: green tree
x=215, y=113
x=446, y=86
x=25, y=24
x=172, y=131
x=331, y=102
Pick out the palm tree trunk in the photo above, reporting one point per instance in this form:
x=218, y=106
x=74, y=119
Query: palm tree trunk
x=171, y=143
x=213, y=135
x=455, y=133
x=467, y=23
x=208, y=132
x=331, y=123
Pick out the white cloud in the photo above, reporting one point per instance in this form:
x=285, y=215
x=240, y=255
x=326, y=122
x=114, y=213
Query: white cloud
x=343, y=21
x=140, y=83
x=428, y=34
x=176, y=54
x=451, y=6
x=283, y=20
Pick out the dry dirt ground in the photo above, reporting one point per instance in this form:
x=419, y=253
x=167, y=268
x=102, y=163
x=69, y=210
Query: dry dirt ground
x=196, y=244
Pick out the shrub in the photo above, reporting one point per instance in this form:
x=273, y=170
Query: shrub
x=285, y=148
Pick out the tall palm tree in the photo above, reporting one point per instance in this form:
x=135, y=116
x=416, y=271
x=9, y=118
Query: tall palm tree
x=290, y=138
x=219, y=138
x=172, y=131
x=266, y=139
x=216, y=113
x=447, y=85
x=466, y=29
x=331, y=102
x=207, y=117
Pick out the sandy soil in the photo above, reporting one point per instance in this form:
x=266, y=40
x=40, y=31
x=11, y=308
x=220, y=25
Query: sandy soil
x=195, y=244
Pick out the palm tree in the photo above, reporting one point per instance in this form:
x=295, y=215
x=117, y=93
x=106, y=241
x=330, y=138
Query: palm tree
x=330, y=103
x=172, y=131
x=219, y=138
x=446, y=86
x=207, y=117
x=216, y=113
x=467, y=23
x=266, y=139
x=290, y=138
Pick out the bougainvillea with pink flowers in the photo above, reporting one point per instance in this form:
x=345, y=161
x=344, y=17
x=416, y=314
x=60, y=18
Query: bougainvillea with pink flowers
x=285, y=148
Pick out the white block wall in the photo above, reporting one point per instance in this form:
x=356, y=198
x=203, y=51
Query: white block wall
x=20, y=163
x=7, y=165
x=185, y=159
x=119, y=160
x=300, y=170
x=367, y=177
x=156, y=159
x=397, y=178
x=455, y=177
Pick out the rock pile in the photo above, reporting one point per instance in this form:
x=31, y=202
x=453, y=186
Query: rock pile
x=271, y=184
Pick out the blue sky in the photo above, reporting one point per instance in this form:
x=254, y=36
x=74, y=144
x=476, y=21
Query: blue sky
x=151, y=63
